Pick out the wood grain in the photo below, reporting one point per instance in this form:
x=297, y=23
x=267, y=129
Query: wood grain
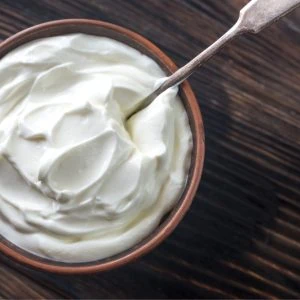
x=241, y=238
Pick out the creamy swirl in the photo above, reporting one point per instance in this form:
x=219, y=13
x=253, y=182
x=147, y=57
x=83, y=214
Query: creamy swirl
x=77, y=181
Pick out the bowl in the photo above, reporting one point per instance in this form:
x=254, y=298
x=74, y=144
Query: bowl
x=169, y=223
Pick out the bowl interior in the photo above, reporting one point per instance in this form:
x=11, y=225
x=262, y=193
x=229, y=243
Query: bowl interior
x=172, y=219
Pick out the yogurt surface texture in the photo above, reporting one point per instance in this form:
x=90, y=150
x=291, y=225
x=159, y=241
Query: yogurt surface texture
x=77, y=181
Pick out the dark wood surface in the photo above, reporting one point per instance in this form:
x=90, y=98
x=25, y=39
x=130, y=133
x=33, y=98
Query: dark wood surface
x=241, y=238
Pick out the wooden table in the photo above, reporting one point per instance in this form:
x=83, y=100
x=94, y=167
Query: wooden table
x=241, y=237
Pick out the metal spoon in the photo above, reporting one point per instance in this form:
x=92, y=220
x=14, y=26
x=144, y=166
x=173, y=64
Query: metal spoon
x=254, y=17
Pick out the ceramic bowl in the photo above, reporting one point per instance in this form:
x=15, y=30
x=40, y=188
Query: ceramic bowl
x=174, y=217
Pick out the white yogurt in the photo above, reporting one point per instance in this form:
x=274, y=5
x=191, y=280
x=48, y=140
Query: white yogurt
x=77, y=181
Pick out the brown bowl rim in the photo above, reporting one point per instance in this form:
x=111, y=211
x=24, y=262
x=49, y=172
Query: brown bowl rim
x=195, y=172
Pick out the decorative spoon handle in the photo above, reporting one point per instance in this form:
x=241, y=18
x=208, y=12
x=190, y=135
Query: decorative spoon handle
x=255, y=16
x=258, y=14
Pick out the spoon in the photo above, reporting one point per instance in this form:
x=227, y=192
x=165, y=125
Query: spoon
x=254, y=17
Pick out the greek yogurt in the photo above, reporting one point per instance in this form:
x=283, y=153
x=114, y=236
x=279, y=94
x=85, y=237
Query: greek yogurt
x=78, y=182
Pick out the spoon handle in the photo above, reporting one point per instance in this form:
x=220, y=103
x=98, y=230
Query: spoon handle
x=255, y=16
x=258, y=14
